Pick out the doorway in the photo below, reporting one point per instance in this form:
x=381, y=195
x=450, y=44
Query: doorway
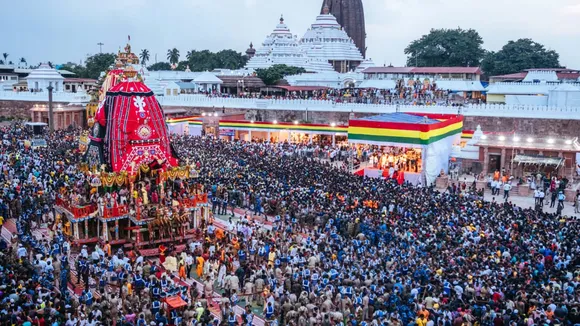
x=494, y=162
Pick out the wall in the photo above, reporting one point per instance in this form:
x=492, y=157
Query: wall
x=20, y=109
x=525, y=126
x=526, y=100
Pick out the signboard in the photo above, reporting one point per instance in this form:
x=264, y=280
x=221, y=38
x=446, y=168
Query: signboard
x=227, y=132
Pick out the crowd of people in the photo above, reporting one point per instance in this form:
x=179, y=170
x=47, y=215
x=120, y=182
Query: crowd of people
x=412, y=92
x=316, y=246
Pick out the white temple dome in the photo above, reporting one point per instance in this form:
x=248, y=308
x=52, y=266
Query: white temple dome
x=326, y=40
x=281, y=47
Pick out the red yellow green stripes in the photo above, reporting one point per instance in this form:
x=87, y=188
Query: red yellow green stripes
x=409, y=133
x=467, y=134
x=182, y=119
x=258, y=125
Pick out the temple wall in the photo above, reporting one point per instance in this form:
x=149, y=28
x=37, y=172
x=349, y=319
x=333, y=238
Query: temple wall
x=523, y=126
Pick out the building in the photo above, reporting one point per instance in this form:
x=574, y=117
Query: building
x=64, y=115
x=326, y=40
x=44, y=76
x=281, y=47
x=538, y=87
x=240, y=84
x=462, y=80
x=526, y=156
x=74, y=85
x=350, y=15
x=562, y=74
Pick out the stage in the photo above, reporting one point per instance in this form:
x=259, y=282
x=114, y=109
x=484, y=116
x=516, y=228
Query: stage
x=410, y=177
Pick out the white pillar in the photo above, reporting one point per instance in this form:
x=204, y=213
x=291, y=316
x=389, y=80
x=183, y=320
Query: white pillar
x=268, y=136
x=310, y=138
x=333, y=140
x=250, y=134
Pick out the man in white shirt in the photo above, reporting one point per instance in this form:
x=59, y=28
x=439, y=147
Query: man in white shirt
x=506, y=190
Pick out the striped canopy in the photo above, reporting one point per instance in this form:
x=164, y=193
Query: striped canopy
x=412, y=130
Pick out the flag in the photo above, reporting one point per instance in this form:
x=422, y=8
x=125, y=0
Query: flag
x=129, y=37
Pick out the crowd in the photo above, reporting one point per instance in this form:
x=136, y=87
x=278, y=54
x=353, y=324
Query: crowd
x=318, y=246
x=414, y=92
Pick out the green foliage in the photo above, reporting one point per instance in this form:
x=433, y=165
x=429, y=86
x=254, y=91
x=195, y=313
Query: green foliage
x=78, y=70
x=206, y=60
x=446, y=48
x=518, y=55
x=159, y=66
x=144, y=56
x=98, y=63
x=93, y=67
x=173, y=55
x=272, y=75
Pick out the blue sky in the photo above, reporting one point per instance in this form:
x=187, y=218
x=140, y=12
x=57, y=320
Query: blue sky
x=66, y=30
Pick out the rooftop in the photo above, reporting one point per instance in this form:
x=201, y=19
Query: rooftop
x=424, y=70
x=401, y=118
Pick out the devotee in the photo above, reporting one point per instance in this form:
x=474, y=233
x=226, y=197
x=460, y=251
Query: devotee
x=336, y=249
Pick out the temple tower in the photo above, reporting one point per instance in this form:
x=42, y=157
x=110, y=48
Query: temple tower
x=350, y=15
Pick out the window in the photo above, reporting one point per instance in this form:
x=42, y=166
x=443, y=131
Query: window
x=168, y=92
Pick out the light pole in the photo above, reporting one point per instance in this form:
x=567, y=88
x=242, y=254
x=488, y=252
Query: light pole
x=100, y=44
x=50, y=112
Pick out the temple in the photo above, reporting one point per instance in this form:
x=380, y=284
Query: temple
x=327, y=41
x=351, y=16
x=281, y=47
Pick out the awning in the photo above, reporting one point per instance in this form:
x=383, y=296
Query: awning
x=538, y=160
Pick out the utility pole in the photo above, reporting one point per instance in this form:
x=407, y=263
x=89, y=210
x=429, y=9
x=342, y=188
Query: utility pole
x=50, y=111
x=100, y=44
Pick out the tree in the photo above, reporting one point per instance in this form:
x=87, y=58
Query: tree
x=159, y=66
x=78, y=70
x=1, y=62
x=518, y=55
x=173, y=56
x=22, y=60
x=206, y=60
x=446, y=48
x=144, y=56
x=98, y=63
x=5, y=55
x=230, y=59
x=272, y=75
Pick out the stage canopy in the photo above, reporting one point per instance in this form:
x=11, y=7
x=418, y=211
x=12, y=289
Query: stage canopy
x=322, y=129
x=185, y=125
x=435, y=134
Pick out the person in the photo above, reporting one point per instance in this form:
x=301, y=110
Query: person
x=561, y=198
x=506, y=190
x=554, y=196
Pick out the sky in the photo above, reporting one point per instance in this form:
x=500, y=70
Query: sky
x=64, y=30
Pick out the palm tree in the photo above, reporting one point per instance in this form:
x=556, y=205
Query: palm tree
x=1, y=62
x=173, y=56
x=5, y=55
x=144, y=56
x=22, y=60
